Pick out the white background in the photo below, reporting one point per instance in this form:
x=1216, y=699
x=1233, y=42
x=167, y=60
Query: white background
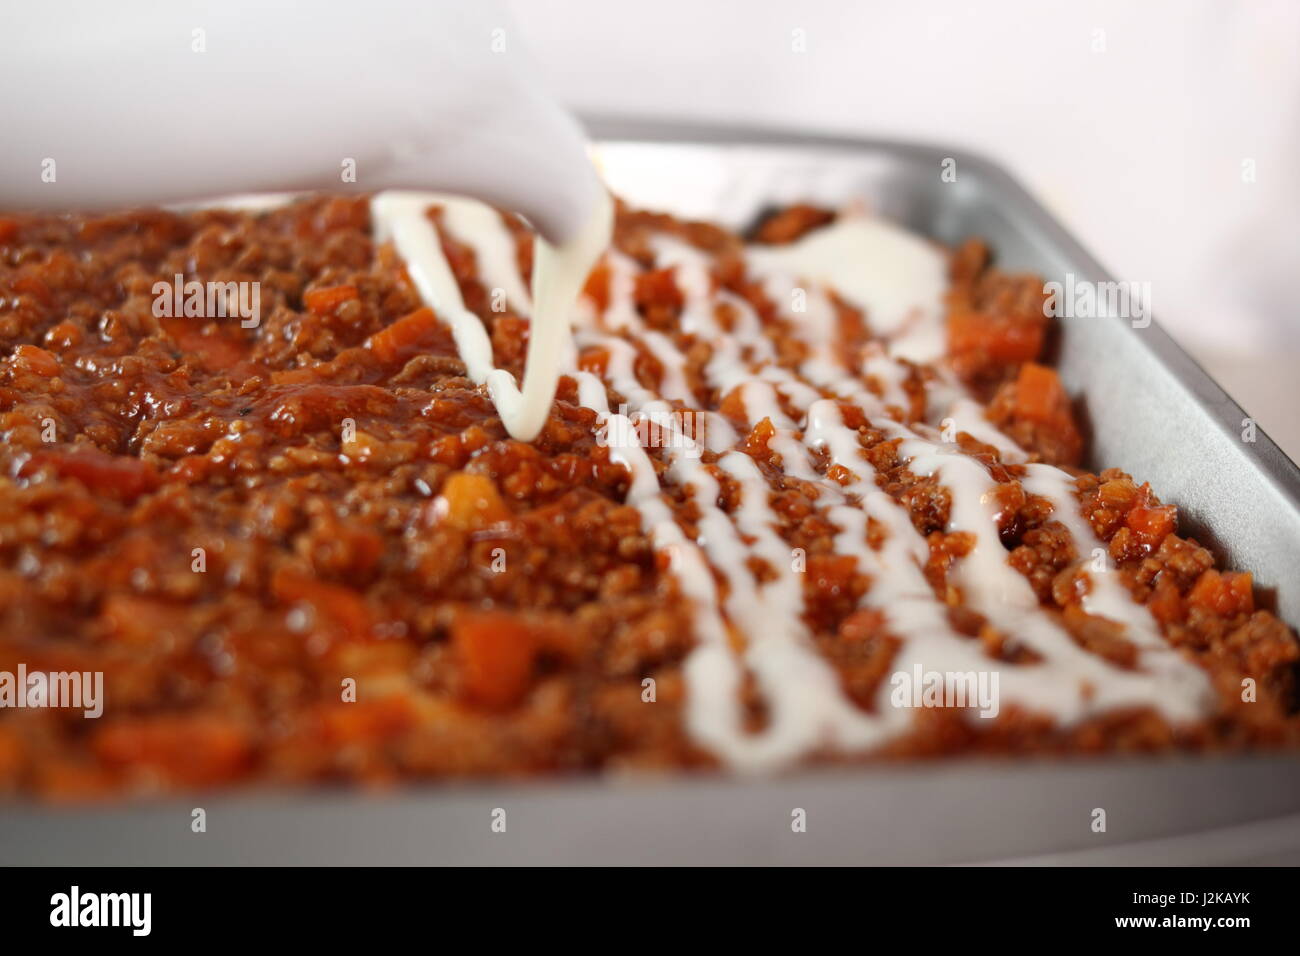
x=1130, y=120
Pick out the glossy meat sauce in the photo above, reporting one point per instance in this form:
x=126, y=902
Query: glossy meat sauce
x=308, y=550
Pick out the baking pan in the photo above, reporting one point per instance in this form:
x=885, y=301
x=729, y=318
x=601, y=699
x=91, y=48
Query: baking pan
x=1154, y=413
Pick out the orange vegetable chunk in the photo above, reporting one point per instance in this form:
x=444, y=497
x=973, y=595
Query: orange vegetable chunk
x=497, y=653
x=1226, y=594
x=324, y=301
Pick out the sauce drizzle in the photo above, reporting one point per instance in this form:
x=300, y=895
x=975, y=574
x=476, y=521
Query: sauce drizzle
x=898, y=281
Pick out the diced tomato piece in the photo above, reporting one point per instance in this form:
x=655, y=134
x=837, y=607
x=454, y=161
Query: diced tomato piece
x=324, y=301
x=497, y=652
x=405, y=336
x=1226, y=594
x=8, y=229
x=1000, y=338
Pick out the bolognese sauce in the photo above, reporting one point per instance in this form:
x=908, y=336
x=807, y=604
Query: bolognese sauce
x=307, y=549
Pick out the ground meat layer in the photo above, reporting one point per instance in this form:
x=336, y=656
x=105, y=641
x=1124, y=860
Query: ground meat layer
x=309, y=551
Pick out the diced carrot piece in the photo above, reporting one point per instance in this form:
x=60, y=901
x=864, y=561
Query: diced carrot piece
x=118, y=475
x=732, y=405
x=336, y=606
x=1038, y=400
x=404, y=336
x=300, y=376
x=212, y=347
x=497, y=652
x=342, y=212
x=324, y=301
x=594, y=359
x=841, y=475
x=34, y=359
x=1040, y=396
x=132, y=620
x=657, y=287
x=853, y=416
x=596, y=287
x=831, y=574
x=1242, y=586
x=365, y=721
x=1001, y=339
x=1151, y=523
x=469, y=502
x=193, y=750
x=1119, y=494
x=862, y=625
x=1224, y=594
x=1009, y=499
x=756, y=444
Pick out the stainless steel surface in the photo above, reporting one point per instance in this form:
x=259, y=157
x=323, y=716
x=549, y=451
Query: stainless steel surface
x=956, y=813
x=1155, y=414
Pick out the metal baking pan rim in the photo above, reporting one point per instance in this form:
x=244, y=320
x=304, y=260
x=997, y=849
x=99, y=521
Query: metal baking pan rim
x=1033, y=770
x=963, y=810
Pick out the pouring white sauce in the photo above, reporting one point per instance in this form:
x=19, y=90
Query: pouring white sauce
x=559, y=273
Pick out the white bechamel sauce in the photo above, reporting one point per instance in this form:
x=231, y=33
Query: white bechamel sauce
x=1107, y=597
x=899, y=282
x=1004, y=596
x=559, y=273
x=895, y=277
x=967, y=415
